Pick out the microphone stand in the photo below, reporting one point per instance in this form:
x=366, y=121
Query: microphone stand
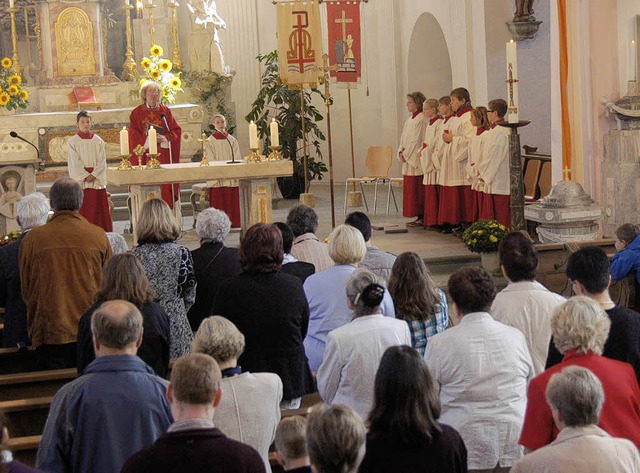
x=166, y=126
x=13, y=134
x=233, y=155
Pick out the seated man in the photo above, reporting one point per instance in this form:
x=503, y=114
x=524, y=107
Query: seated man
x=114, y=409
x=575, y=397
x=375, y=260
x=307, y=247
x=291, y=445
x=290, y=264
x=193, y=444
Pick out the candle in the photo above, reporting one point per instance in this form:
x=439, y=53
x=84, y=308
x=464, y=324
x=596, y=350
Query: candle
x=253, y=136
x=150, y=2
x=10, y=3
x=634, y=60
x=124, y=141
x=512, y=81
x=153, y=141
x=275, y=138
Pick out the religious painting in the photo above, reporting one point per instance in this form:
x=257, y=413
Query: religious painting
x=74, y=43
x=345, y=40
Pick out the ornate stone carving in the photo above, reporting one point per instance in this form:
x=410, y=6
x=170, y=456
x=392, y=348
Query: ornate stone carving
x=74, y=43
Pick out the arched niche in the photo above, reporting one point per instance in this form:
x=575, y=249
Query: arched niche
x=429, y=63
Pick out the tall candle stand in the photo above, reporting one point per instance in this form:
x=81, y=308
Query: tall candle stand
x=14, y=39
x=177, y=62
x=150, y=6
x=129, y=69
x=516, y=205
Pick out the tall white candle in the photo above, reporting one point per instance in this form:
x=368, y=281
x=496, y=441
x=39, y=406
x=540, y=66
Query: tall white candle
x=153, y=141
x=634, y=60
x=512, y=81
x=253, y=136
x=11, y=4
x=124, y=141
x=275, y=138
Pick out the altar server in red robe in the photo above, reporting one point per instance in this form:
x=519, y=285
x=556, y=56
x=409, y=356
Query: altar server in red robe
x=480, y=121
x=224, y=194
x=410, y=145
x=151, y=113
x=87, y=166
x=430, y=165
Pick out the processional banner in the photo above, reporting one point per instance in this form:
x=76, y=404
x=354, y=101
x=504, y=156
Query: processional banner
x=345, y=41
x=299, y=41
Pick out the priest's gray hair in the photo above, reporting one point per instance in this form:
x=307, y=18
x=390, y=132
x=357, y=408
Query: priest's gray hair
x=577, y=394
x=213, y=225
x=356, y=284
x=32, y=210
x=146, y=86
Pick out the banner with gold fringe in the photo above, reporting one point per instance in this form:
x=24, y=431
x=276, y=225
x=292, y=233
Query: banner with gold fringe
x=299, y=41
x=345, y=41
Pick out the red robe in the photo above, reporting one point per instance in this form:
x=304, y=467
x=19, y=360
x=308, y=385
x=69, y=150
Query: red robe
x=140, y=120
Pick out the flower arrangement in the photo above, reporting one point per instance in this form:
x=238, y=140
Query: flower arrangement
x=12, y=95
x=10, y=237
x=484, y=236
x=158, y=69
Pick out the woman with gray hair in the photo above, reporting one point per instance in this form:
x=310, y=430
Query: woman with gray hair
x=580, y=328
x=212, y=262
x=250, y=408
x=575, y=396
x=326, y=311
x=353, y=352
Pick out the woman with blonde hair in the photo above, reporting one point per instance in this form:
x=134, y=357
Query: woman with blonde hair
x=580, y=328
x=417, y=299
x=169, y=267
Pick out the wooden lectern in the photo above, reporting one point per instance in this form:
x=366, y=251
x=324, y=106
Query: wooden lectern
x=255, y=184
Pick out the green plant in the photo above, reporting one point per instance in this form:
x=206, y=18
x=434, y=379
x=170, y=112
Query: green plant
x=10, y=237
x=210, y=87
x=278, y=101
x=484, y=236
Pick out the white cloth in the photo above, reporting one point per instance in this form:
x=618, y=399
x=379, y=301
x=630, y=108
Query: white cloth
x=586, y=449
x=483, y=368
x=220, y=150
x=89, y=153
x=352, y=358
x=494, y=166
x=527, y=306
x=250, y=410
x=476, y=148
x=454, y=155
x=428, y=156
x=411, y=143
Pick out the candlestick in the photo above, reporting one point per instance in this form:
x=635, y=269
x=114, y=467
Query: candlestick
x=153, y=141
x=177, y=60
x=275, y=137
x=253, y=136
x=512, y=81
x=152, y=32
x=11, y=5
x=634, y=60
x=124, y=141
x=129, y=69
x=14, y=37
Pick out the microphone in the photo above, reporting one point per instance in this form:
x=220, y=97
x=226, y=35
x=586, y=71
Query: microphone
x=233, y=156
x=13, y=134
x=166, y=125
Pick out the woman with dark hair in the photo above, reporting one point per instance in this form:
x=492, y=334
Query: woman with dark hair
x=271, y=311
x=417, y=299
x=169, y=267
x=404, y=432
x=124, y=279
x=7, y=463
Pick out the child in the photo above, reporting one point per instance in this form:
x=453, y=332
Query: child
x=479, y=120
x=88, y=166
x=627, y=258
x=430, y=166
x=291, y=445
x=224, y=194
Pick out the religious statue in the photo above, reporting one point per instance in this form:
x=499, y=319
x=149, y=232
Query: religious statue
x=524, y=10
x=205, y=51
x=11, y=196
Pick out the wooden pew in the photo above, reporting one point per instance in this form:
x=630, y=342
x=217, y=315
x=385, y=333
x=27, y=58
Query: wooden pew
x=25, y=449
x=26, y=417
x=34, y=384
x=17, y=360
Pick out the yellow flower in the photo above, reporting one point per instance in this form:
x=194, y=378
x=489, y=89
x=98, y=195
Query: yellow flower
x=6, y=62
x=145, y=63
x=156, y=50
x=4, y=99
x=480, y=232
x=155, y=74
x=15, y=80
x=142, y=81
x=165, y=65
x=24, y=94
x=176, y=83
x=13, y=90
x=492, y=239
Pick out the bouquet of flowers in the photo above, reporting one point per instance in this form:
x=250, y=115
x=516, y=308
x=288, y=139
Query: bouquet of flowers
x=10, y=237
x=484, y=236
x=158, y=69
x=12, y=95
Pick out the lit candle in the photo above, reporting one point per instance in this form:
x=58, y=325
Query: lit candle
x=124, y=141
x=153, y=141
x=634, y=60
x=253, y=136
x=512, y=81
x=275, y=138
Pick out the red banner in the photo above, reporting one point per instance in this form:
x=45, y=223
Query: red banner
x=345, y=40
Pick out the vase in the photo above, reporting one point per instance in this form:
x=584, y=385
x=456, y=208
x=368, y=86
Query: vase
x=490, y=262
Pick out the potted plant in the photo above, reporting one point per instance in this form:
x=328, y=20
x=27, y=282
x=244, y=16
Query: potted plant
x=484, y=237
x=276, y=100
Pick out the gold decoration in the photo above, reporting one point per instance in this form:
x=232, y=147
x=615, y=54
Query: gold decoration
x=153, y=162
x=14, y=40
x=204, y=140
x=129, y=71
x=254, y=157
x=275, y=154
x=139, y=152
x=177, y=61
x=152, y=31
x=74, y=43
x=125, y=164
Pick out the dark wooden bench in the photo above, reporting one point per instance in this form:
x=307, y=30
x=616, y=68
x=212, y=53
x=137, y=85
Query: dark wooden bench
x=17, y=360
x=26, y=417
x=25, y=449
x=34, y=384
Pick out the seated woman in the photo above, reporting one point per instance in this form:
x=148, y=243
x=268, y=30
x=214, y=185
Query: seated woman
x=169, y=267
x=404, y=432
x=270, y=310
x=124, y=279
x=250, y=408
x=580, y=328
x=417, y=299
x=354, y=350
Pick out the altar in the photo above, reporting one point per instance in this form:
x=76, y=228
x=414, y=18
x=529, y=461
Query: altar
x=255, y=184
